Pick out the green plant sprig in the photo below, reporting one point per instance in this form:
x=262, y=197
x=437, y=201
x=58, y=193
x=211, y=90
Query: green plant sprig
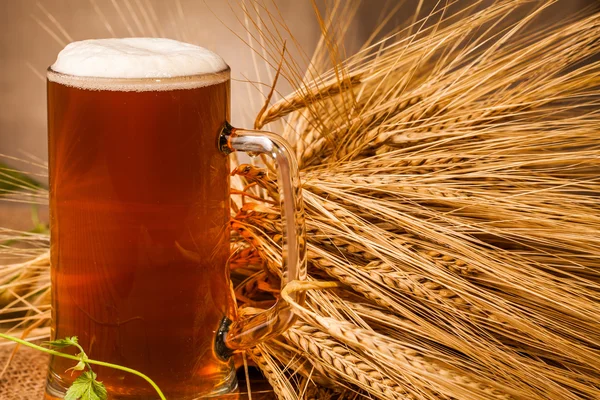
x=88, y=378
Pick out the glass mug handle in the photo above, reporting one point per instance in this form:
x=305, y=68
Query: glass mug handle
x=251, y=330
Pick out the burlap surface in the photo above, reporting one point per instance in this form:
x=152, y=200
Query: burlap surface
x=25, y=377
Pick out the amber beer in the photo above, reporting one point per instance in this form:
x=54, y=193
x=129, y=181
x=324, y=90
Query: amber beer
x=139, y=201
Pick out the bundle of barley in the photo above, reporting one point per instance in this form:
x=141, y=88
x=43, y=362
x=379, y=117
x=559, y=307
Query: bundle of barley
x=450, y=179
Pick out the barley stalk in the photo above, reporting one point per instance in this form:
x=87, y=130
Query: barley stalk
x=359, y=372
x=305, y=97
x=282, y=389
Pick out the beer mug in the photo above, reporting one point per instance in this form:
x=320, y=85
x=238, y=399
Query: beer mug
x=140, y=217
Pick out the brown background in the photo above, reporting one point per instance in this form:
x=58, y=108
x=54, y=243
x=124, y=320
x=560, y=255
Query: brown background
x=27, y=49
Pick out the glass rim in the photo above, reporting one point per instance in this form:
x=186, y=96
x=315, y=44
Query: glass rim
x=139, y=84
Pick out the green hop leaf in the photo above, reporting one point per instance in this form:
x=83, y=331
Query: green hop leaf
x=86, y=387
x=61, y=343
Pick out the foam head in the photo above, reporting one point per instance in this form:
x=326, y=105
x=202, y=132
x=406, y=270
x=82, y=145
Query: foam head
x=134, y=58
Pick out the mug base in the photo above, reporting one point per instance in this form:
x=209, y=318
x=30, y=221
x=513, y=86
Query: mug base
x=226, y=391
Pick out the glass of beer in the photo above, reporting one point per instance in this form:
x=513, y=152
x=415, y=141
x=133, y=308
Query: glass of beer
x=140, y=217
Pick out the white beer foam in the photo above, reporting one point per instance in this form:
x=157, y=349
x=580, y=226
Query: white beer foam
x=137, y=64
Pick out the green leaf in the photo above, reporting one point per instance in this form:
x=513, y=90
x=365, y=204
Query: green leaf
x=86, y=387
x=60, y=343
